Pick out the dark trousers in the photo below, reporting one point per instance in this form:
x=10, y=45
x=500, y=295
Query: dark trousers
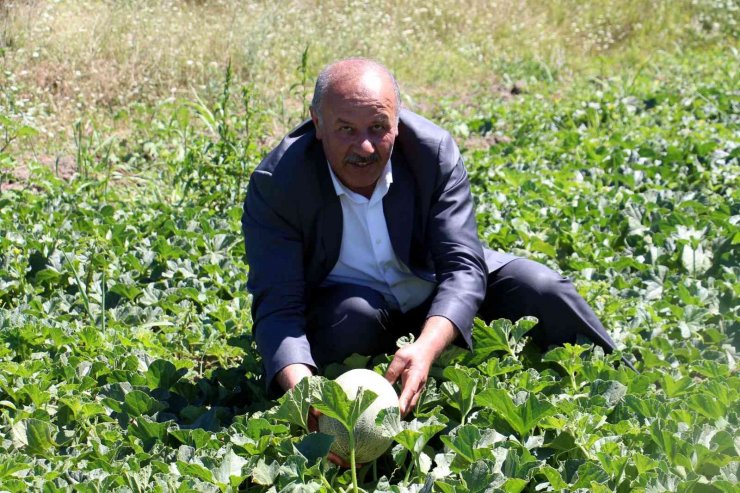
x=345, y=319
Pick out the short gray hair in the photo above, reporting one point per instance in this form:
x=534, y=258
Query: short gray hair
x=328, y=76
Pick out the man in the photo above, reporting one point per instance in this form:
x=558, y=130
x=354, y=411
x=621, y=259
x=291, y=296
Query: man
x=360, y=228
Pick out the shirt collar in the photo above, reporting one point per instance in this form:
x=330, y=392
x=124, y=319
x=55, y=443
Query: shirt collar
x=381, y=187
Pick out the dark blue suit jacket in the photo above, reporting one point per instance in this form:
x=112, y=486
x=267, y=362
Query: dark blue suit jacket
x=292, y=226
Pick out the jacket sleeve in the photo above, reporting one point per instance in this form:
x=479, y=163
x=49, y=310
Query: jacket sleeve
x=276, y=280
x=453, y=239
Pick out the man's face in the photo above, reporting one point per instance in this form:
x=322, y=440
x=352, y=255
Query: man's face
x=357, y=129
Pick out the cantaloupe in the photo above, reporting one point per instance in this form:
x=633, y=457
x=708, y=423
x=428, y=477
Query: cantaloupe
x=370, y=441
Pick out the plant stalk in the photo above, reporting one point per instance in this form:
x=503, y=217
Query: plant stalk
x=352, y=462
x=408, y=471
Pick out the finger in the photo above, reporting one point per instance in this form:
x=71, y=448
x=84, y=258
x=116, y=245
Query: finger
x=341, y=462
x=337, y=460
x=395, y=369
x=312, y=422
x=313, y=419
x=415, y=400
x=411, y=386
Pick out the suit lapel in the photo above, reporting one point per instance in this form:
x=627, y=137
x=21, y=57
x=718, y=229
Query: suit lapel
x=330, y=214
x=398, y=208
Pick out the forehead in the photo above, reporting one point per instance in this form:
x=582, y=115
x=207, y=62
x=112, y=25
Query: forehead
x=367, y=95
x=353, y=110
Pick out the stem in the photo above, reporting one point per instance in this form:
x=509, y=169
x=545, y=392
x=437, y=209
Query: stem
x=408, y=471
x=85, y=301
x=573, y=381
x=414, y=465
x=102, y=307
x=352, y=462
x=328, y=485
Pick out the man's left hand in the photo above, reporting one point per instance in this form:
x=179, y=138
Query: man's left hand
x=412, y=362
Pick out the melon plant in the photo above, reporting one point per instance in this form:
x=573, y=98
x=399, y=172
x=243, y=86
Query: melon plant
x=371, y=441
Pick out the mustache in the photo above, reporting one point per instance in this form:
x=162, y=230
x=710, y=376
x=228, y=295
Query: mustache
x=362, y=160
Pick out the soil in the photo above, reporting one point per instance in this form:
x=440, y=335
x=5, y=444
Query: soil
x=18, y=177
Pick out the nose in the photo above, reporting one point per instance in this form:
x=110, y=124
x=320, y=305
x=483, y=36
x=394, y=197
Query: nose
x=365, y=145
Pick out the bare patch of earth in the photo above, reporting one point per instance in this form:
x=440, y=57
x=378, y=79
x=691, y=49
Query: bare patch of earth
x=467, y=102
x=478, y=142
x=18, y=177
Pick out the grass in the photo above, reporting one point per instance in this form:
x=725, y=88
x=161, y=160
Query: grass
x=113, y=62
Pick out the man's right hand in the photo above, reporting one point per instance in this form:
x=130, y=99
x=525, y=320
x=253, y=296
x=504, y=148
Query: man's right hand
x=313, y=425
x=289, y=376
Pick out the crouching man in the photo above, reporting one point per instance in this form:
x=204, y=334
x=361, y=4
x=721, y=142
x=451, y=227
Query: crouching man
x=360, y=228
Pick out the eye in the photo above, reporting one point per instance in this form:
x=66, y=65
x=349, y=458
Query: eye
x=346, y=129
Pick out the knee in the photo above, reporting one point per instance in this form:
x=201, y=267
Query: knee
x=358, y=312
x=539, y=280
x=356, y=325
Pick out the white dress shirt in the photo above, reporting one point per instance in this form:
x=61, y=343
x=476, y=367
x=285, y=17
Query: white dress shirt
x=366, y=256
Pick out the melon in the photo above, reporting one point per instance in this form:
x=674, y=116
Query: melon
x=370, y=441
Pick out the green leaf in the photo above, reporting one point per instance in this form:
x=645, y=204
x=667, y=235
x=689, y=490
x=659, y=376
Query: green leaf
x=515, y=485
x=643, y=463
x=162, y=374
x=478, y=476
x=646, y=408
x=499, y=335
x=724, y=390
x=130, y=292
x=231, y=467
x=464, y=442
x=496, y=366
x=461, y=395
x=389, y=419
x=519, y=462
x=330, y=399
x=695, y=260
x=569, y=357
x=611, y=391
x=255, y=434
x=27, y=131
x=669, y=443
x=351, y=362
x=612, y=459
x=412, y=435
x=195, y=470
x=295, y=403
x=264, y=474
x=711, y=369
x=522, y=418
x=137, y=403
x=707, y=405
x=197, y=438
x=676, y=387
x=565, y=442
x=148, y=431
x=450, y=487
x=588, y=473
x=488, y=339
x=33, y=436
x=553, y=477
x=315, y=446
x=532, y=381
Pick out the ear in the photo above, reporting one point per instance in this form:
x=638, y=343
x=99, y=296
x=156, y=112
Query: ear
x=396, y=122
x=316, y=123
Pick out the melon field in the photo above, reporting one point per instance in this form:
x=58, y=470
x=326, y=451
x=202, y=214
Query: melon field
x=126, y=355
